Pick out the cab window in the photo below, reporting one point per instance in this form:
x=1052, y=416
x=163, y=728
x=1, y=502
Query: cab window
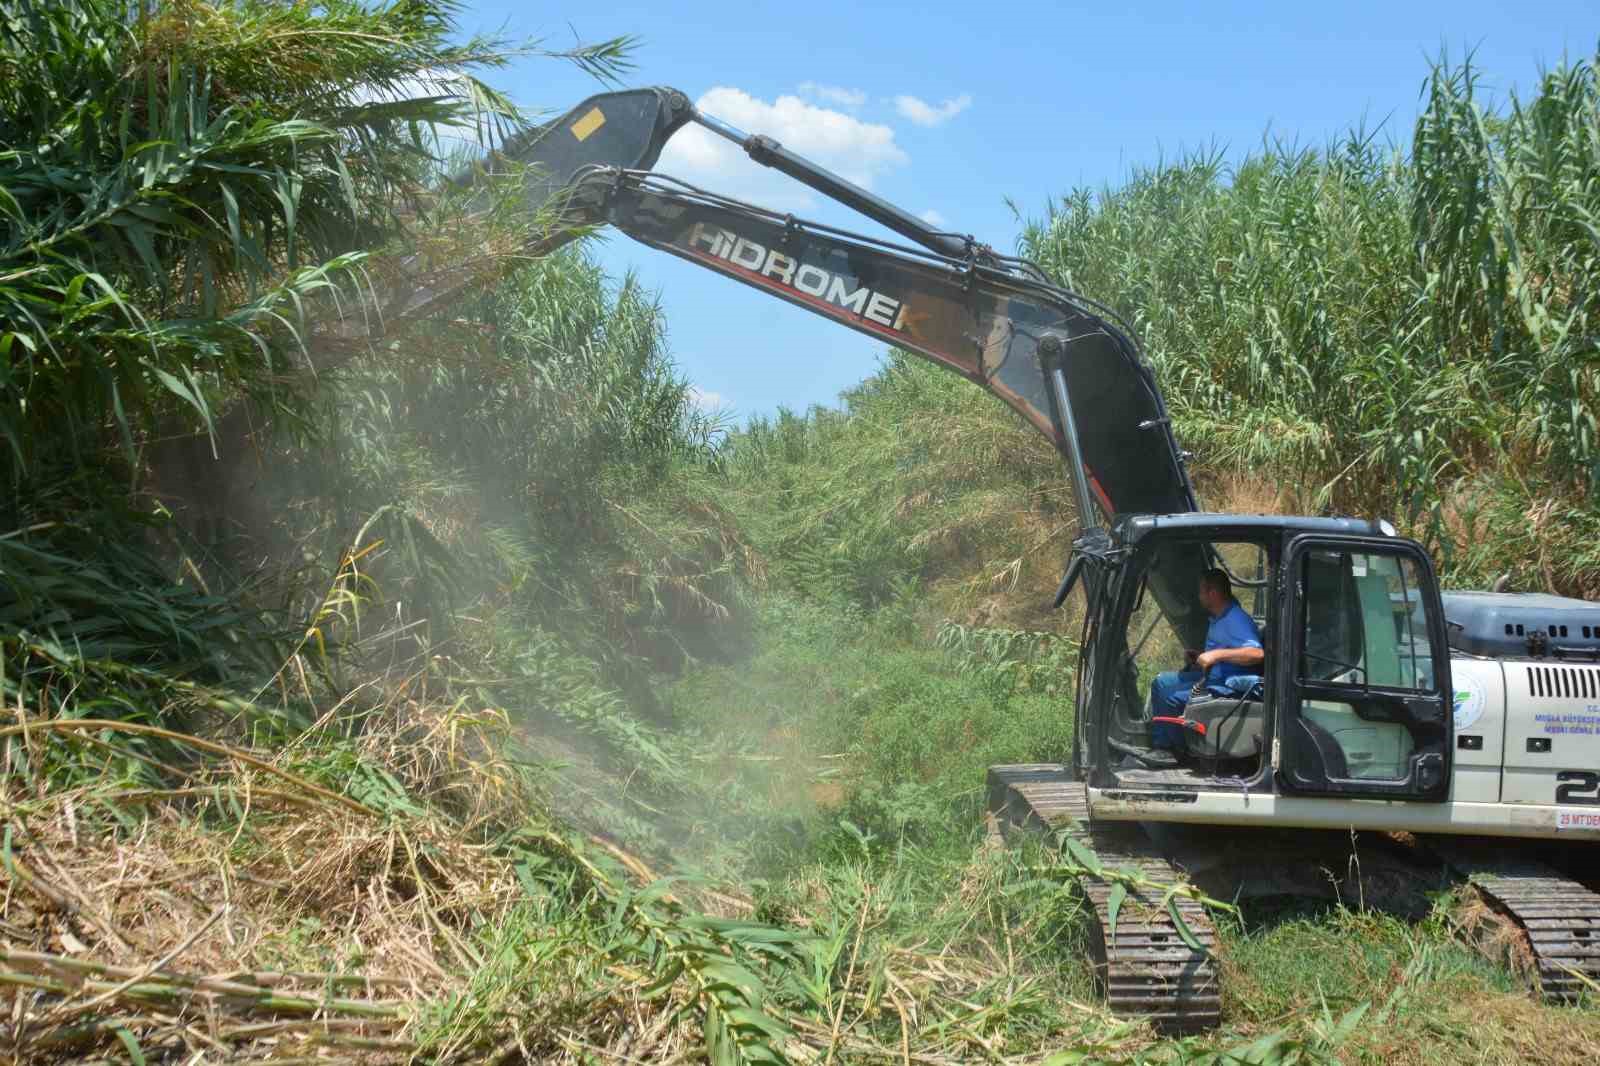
x=1364, y=622
x=1363, y=635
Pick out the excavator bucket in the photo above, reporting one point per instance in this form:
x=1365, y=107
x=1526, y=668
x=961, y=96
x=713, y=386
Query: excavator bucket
x=624, y=129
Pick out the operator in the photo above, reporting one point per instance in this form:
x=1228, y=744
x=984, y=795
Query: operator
x=1233, y=648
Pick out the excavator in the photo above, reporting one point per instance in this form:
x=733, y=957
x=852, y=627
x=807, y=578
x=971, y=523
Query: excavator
x=1462, y=728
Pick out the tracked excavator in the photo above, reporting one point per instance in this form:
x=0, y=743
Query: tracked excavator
x=1462, y=729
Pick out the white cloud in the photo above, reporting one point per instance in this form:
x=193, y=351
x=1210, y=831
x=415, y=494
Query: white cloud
x=705, y=399
x=933, y=218
x=925, y=114
x=860, y=151
x=834, y=94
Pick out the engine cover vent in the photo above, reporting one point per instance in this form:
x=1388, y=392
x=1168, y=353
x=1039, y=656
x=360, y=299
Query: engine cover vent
x=1564, y=682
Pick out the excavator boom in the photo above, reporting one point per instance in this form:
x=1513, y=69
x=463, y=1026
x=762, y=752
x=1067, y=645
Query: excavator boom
x=1056, y=358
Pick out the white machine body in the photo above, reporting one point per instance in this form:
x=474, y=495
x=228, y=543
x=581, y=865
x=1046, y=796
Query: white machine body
x=1527, y=764
x=1525, y=739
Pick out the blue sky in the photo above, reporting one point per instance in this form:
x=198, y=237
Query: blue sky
x=951, y=108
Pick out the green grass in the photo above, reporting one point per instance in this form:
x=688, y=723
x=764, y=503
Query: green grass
x=843, y=717
x=1432, y=998
x=870, y=818
x=1359, y=955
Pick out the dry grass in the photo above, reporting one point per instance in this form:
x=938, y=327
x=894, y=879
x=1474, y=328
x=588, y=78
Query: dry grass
x=1507, y=1028
x=248, y=912
x=304, y=924
x=1244, y=492
x=1467, y=1023
x=1495, y=936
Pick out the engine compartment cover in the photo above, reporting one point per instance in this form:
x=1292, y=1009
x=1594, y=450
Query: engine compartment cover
x=1520, y=625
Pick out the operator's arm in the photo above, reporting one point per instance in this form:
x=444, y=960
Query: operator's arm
x=1238, y=656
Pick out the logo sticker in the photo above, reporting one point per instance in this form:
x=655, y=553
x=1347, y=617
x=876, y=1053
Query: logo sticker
x=1470, y=701
x=831, y=290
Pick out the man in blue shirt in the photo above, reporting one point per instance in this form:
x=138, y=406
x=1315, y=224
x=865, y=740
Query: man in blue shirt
x=1233, y=648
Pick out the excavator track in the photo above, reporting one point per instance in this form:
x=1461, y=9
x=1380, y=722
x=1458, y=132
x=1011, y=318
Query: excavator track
x=1558, y=917
x=1146, y=967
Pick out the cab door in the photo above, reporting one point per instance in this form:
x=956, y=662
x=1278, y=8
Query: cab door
x=1364, y=672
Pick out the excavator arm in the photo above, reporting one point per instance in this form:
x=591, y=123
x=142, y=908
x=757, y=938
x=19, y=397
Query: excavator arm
x=1056, y=358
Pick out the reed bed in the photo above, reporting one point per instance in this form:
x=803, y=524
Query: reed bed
x=1398, y=323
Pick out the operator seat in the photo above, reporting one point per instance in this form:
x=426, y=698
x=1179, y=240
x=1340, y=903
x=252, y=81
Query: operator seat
x=1229, y=727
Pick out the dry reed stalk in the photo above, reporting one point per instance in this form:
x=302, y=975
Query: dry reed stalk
x=86, y=969
x=1493, y=934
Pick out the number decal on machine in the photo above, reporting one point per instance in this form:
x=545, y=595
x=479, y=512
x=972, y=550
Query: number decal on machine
x=1581, y=786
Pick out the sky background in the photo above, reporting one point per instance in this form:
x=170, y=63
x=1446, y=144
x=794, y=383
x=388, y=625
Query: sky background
x=949, y=109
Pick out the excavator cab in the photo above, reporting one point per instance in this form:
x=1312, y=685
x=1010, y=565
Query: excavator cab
x=1225, y=725
x=1351, y=700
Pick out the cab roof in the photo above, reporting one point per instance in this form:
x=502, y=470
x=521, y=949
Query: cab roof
x=1130, y=529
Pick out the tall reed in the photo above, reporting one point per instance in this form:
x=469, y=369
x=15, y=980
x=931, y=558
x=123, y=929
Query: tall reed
x=1390, y=330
